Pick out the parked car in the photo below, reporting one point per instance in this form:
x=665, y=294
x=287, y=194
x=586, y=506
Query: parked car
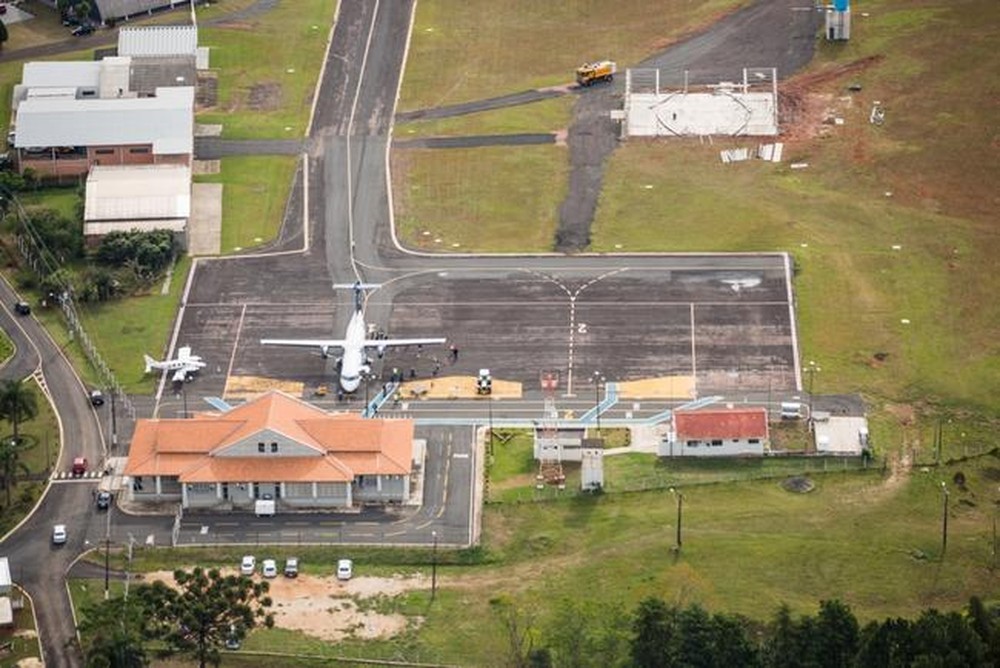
x=59, y=534
x=22, y=308
x=103, y=500
x=82, y=30
x=345, y=569
x=79, y=466
x=232, y=639
x=248, y=566
x=270, y=568
x=291, y=567
x=96, y=398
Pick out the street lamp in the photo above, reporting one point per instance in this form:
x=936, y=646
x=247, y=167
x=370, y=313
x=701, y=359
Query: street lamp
x=812, y=370
x=680, y=510
x=434, y=564
x=944, y=521
x=597, y=379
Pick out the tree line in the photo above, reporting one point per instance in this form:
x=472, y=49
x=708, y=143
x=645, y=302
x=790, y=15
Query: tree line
x=659, y=635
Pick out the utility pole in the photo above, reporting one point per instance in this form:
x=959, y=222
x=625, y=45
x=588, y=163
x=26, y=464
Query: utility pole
x=944, y=522
x=680, y=512
x=434, y=565
x=812, y=370
x=114, y=423
x=598, y=379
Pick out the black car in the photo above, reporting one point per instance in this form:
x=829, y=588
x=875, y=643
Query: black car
x=96, y=398
x=103, y=500
x=22, y=308
x=82, y=30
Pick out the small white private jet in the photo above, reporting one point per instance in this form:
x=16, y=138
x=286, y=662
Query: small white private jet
x=354, y=361
x=184, y=366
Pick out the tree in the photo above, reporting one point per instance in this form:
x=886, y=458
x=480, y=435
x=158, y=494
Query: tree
x=986, y=623
x=204, y=610
x=3, y=33
x=888, y=644
x=836, y=634
x=519, y=632
x=62, y=237
x=655, y=634
x=113, y=632
x=587, y=633
x=784, y=645
x=17, y=404
x=10, y=464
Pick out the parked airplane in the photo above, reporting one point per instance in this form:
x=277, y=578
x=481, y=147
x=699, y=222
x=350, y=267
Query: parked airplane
x=354, y=360
x=183, y=366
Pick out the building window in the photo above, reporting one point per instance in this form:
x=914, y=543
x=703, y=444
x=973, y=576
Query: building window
x=141, y=149
x=104, y=151
x=260, y=447
x=88, y=93
x=692, y=444
x=274, y=446
x=716, y=443
x=754, y=441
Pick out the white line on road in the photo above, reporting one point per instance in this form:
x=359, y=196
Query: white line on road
x=694, y=357
x=236, y=343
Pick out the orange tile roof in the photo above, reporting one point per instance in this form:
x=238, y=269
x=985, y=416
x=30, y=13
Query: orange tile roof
x=721, y=423
x=346, y=445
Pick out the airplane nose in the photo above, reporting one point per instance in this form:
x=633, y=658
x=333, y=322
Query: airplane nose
x=350, y=386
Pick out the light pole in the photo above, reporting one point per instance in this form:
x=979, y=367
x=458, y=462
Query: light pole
x=598, y=379
x=944, y=521
x=680, y=511
x=114, y=422
x=812, y=370
x=434, y=565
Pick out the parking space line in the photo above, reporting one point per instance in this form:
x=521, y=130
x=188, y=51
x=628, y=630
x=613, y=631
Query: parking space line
x=694, y=357
x=236, y=343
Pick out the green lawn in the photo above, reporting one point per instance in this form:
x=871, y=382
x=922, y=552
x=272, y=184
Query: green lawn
x=479, y=199
x=549, y=115
x=122, y=330
x=268, y=67
x=6, y=347
x=454, y=58
x=255, y=191
x=41, y=453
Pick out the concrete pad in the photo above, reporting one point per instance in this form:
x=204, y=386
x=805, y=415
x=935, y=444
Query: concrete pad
x=15, y=15
x=695, y=114
x=207, y=130
x=457, y=387
x=665, y=387
x=205, y=226
x=206, y=166
x=248, y=387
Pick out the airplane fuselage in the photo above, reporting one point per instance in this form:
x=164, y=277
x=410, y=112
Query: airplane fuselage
x=354, y=362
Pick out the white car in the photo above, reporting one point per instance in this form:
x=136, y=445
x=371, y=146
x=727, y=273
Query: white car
x=269, y=568
x=59, y=534
x=345, y=569
x=248, y=565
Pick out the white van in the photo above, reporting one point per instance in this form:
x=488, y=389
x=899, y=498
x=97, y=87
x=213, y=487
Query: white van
x=264, y=508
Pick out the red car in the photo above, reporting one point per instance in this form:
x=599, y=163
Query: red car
x=79, y=465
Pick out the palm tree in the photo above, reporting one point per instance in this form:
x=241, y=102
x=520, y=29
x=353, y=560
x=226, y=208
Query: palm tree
x=17, y=404
x=10, y=463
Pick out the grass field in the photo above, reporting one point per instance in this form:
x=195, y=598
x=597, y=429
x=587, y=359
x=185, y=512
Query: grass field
x=255, y=190
x=268, y=96
x=41, y=453
x=479, y=199
x=22, y=637
x=6, y=348
x=546, y=116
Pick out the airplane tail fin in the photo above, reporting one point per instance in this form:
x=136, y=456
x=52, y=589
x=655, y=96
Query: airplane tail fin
x=149, y=363
x=359, y=290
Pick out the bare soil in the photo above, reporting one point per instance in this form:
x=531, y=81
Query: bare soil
x=331, y=609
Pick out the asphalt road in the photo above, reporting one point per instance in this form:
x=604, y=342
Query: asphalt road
x=37, y=565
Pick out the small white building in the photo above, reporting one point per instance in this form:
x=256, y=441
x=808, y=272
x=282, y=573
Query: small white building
x=839, y=435
x=5, y=581
x=137, y=197
x=717, y=432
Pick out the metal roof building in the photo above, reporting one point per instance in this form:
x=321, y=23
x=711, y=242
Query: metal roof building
x=165, y=121
x=162, y=41
x=123, y=9
x=137, y=197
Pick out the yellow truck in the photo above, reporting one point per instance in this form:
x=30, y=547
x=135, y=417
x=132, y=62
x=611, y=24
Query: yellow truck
x=590, y=73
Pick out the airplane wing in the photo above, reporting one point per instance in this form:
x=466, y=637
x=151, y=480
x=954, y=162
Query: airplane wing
x=183, y=353
x=304, y=343
x=180, y=375
x=388, y=343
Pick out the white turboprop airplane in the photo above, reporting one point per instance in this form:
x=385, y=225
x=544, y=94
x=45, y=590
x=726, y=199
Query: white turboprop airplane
x=183, y=366
x=354, y=360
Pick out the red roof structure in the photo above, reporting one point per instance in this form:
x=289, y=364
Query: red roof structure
x=722, y=423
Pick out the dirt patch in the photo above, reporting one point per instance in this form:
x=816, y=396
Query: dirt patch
x=332, y=610
x=904, y=413
x=264, y=96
